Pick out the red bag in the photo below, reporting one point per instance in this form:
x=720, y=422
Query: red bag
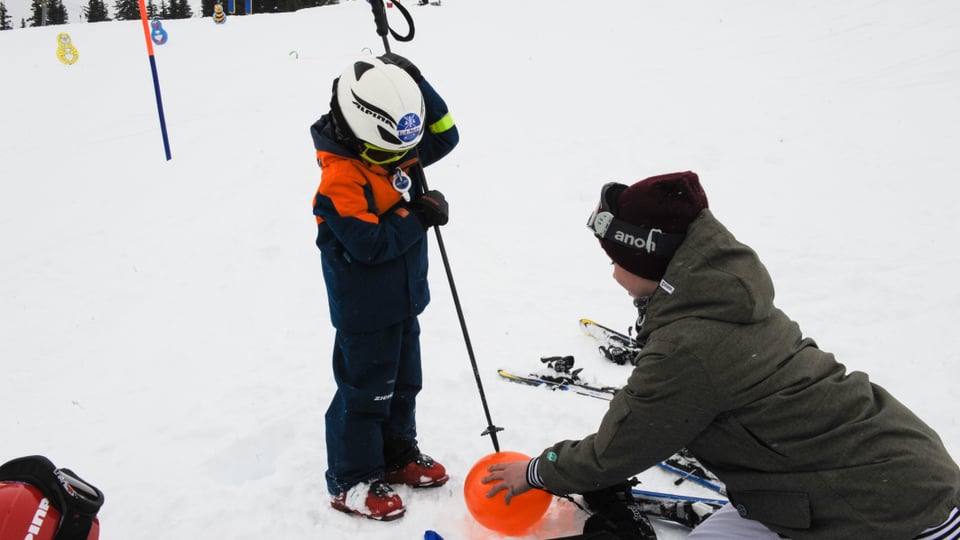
x=41, y=502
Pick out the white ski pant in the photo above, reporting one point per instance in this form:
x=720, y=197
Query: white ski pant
x=726, y=524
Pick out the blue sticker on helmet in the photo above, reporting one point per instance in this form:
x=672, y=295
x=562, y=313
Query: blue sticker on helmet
x=409, y=127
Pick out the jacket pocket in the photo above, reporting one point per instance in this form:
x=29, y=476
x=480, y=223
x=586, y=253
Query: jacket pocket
x=776, y=508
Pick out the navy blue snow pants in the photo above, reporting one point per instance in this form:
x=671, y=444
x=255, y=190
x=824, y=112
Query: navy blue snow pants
x=371, y=420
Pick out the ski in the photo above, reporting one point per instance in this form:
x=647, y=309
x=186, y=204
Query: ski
x=693, y=477
x=607, y=336
x=615, y=346
x=643, y=494
x=642, y=505
x=687, y=513
x=686, y=466
x=560, y=383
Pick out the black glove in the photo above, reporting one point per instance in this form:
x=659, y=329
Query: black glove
x=612, y=514
x=404, y=64
x=431, y=208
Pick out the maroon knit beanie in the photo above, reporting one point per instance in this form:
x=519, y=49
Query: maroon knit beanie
x=668, y=203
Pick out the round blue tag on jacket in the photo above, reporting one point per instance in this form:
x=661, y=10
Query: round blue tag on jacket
x=402, y=183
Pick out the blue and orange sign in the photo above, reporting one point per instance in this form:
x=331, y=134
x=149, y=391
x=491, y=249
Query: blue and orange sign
x=157, y=33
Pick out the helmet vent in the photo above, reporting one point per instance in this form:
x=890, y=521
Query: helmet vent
x=359, y=68
x=387, y=136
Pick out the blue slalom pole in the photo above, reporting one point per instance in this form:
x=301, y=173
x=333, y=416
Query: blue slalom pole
x=156, y=79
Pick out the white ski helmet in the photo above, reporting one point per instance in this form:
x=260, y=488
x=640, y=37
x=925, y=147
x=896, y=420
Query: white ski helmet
x=381, y=104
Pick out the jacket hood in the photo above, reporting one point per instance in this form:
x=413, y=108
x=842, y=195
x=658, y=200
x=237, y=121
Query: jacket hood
x=711, y=276
x=331, y=148
x=324, y=138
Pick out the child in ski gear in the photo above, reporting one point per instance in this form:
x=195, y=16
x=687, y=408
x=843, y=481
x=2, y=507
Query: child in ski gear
x=385, y=123
x=806, y=449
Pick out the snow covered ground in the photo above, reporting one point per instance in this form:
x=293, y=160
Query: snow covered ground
x=163, y=325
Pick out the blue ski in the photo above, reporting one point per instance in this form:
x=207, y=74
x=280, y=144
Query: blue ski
x=659, y=496
x=685, y=475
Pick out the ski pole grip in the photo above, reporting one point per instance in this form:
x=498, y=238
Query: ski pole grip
x=380, y=16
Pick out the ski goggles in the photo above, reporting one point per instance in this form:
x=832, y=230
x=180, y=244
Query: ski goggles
x=607, y=226
x=381, y=156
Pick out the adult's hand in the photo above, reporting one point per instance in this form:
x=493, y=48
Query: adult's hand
x=510, y=476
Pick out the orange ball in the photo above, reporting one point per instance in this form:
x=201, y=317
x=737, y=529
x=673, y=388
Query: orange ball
x=524, y=511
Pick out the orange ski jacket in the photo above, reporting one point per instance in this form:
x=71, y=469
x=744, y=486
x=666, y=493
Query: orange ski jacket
x=374, y=260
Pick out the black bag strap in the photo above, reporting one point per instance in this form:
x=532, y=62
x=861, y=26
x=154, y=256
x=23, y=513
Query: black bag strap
x=77, y=501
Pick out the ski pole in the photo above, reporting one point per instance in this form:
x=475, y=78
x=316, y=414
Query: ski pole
x=380, y=17
x=383, y=27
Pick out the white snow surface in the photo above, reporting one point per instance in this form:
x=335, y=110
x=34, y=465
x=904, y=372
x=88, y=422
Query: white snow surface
x=163, y=324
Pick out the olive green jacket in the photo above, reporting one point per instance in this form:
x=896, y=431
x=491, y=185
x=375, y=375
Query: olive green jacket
x=803, y=446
